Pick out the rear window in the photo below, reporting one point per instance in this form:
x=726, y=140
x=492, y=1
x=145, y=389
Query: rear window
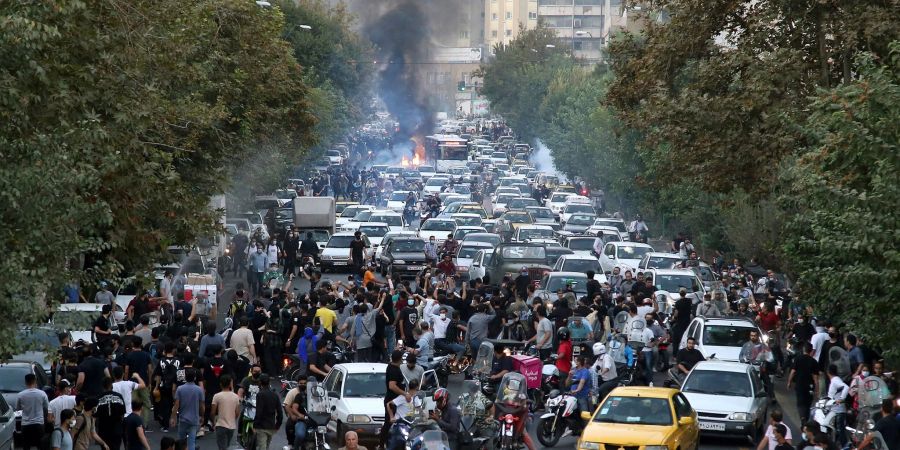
x=391, y=220
x=517, y=252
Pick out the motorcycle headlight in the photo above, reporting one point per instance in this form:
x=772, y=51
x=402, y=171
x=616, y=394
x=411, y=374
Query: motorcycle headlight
x=589, y=446
x=358, y=418
x=740, y=416
x=322, y=429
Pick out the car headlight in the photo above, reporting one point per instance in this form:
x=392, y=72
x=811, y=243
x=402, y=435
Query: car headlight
x=741, y=416
x=399, y=261
x=326, y=258
x=358, y=418
x=656, y=447
x=589, y=446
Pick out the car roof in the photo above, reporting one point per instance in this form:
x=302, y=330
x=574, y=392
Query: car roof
x=535, y=227
x=344, y=233
x=663, y=255
x=464, y=215
x=567, y=274
x=17, y=363
x=722, y=366
x=480, y=244
x=577, y=256
x=482, y=235
x=672, y=272
x=385, y=213
x=363, y=367
x=731, y=321
x=91, y=307
x=643, y=391
x=372, y=224
x=407, y=238
x=629, y=244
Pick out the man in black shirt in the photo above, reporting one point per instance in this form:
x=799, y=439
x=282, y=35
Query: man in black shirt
x=407, y=320
x=682, y=317
x=395, y=386
x=593, y=286
x=501, y=365
x=888, y=426
x=805, y=373
x=91, y=373
x=688, y=357
x=109, y=414
x=101, y=325
x=321, y=362
x=803, y=330
x=291, y=246
x=357, y=248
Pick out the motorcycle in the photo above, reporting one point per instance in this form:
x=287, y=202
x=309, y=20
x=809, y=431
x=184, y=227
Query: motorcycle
x=430, y=440
x=562, y=415
x=407, y=428
x=472, y=404
x=511, y=406
x=246, y=432
x=481, y=369
x=823, y=413
x=317, y=415
x=857, y=435
x=872, y=391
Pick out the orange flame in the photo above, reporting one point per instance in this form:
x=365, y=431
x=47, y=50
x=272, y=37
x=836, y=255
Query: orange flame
x=419, y=149
x=404, y=162
x=416, y=161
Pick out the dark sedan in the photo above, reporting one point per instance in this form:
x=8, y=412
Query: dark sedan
x=404, y=256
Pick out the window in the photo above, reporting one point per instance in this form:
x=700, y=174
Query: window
x=509, y=32
x=508, y=15
x=532, y=16
x=493, y=16
x=682, y=407
x=577, y=45
x=493, y=33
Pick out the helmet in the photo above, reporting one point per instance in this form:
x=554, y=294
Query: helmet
x=562, y=333
x=441, y=395
x=599, y=349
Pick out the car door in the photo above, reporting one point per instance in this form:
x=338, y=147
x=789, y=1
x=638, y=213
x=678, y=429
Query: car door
x=690, y=332
x=687, y=435
x=475, y=271
x=607, y=259
x=332, y=400
x=386, y=255
x=760, y=398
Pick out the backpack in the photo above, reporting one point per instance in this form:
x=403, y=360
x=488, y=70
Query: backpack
x=169, y=368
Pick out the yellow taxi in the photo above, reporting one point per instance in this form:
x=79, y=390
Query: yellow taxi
x=641, y=418
x=512, y=219
x=473, y=208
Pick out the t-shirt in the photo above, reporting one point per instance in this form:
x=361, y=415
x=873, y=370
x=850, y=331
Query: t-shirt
x=104, y=297
x=103, y=324
x=125, y=388
x=770, y=434
x=320, y=360
x=889, y=426
x=501, y=364
x=402, y=407
x=784, y=446
x=133, y=422
x=189, y=396
x=110, y=412
x=689, y=357
x=138, y=361
x=226, y=403
x=327, y=318
x=582, y=374
x=58, y=404
x=32, y=402
x=409, y=317
x=241, y=341
x=393, y=373
x=564, y=357
x=767, y=321
x=544, y=331
x=805, y=367
x=93, y=369
x=61, y=439
x=683, y=306
x=356, y=250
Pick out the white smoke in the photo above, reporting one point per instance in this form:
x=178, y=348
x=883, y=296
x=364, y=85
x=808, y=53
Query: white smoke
x=542, y=160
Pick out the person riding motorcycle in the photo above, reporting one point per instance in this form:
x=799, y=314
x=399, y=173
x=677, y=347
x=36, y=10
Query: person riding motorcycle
x=309, y=247
x=604, y=372
x=513, y=401
x=446, y=415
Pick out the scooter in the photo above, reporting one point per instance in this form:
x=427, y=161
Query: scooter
x=562, y=415
x=823, y=413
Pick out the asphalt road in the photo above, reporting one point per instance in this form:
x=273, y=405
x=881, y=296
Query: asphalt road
x=455, y=383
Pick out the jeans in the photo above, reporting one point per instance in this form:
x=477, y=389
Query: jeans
x=444, y=344
x=475, y=344
x=188, y=431
x=840, y=422
x=263, y=438
x=224, y=437
x=299, y=434
x=364, y=355
x=648, y=366
x=584, y=404
x=804, y=402
x=390, y=339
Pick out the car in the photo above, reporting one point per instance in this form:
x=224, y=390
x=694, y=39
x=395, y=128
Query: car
x=637, y=417
x=512, y=220
x=394, y=220
x=283, y=220
x=403, y=255
x=542, y=216
x=720, y=336
x=579, y=263
x=522, y=203
x=334, y=157
x=12, y=382
x=38, y=344
x=243, y=225
x=507, y=189
x=452, y=197
x=256, y=223
x=387, y=239
x=729, y=397
x=659, y=260
x=509, y=259
x=607, y=234
x=349, y=213
x=467, y=219
x=435, y=184
x=465, y=254
x=397, y=201
x=480, y=260
x=339, y=207
x=393, y=171
x=534, y=233
x=671, y=281
x=426, y=172
x=500, y=202
x=491, y=238
x=375, y=231
x=336, y=254
x=577, y=223
x=7, y=425
x=709, y=278
x=464, y=207
x=581, y=245
x=460, y=233
x=78, y=319
x=499, y=158
x=411, y=174
x=490, y=225
x=439, y=229
x=551, y=282
x=554, y=252
x=626, y=255
x=557, y=201
x=619, y=224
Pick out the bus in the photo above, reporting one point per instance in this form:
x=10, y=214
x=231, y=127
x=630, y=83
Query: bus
x=446, y=151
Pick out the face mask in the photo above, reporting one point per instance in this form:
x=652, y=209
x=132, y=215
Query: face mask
x=255, y=376
x=832, y=335
x=71, y=423
x=802, y=321
x=865, y=373
x=443, y=316
x=410, y=302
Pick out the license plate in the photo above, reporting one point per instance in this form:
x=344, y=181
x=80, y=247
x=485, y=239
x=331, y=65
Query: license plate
x=414, y=267
x=712, y=426
x=340, y=263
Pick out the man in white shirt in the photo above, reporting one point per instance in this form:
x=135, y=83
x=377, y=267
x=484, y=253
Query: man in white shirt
x=603, y=372
x=598, y=244
x=126, y=387
x=837, y=391
x=769, y=440
x=818, y=339
x=65, y=400
x=440, y=323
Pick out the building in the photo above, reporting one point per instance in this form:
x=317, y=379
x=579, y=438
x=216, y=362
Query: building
x=504, y=18
x=584, y=24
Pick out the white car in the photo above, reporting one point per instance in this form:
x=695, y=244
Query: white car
x=78, y=319
x=438, y=229
x=393, y=171
x=466, y=254
x=500, y=203
x=720, y=336
x=349, y=213
x=467, y=219
x=543, y=216
x=394, y=220
x=610, y=234
x=619, y=224
x=397, y=202
x=427, y=172
x=375, y=231
x=581, y=245
x=435, y=184
x=580, y=263
x=670, y=282
x=461, y=232
x=659, y=260
x=480, y=261
x=626, y=255
x=499, y=158
x=557, y=201
x=540, y=234
x=355, y=397
x=729, y=397
x=336, y=254
x=575, y=208
x=334, y=157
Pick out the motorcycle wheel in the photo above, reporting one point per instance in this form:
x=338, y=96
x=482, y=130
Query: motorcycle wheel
x=546, y=434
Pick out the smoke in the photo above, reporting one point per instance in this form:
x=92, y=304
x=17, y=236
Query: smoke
x=542, y=160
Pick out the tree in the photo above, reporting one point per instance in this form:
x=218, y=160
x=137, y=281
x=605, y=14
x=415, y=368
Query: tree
x=120, y=119
x=842, y=239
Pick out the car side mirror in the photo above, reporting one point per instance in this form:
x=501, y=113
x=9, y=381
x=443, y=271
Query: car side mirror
x=333, y=394
x=476, y=265
x=686, y=421
x=761, y=393
x=5, y=418
x=585, y=415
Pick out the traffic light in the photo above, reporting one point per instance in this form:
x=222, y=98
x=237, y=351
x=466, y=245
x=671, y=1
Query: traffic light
x=461, y=86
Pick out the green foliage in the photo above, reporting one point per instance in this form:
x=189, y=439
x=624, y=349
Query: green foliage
x=118, y=121
x=519, y=76
x=843, y=239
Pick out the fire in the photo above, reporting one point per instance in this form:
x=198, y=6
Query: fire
x=416, y=161
x=419, y=148
x=404, y=162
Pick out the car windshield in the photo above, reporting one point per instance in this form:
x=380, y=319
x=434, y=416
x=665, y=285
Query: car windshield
x=630, y=252
x=12, y=378
x=318, y=235
x=517, y=217
x=580, y=219
x=611, y=223
x=468, y=221
x=408, y=246
x=505, y=198
x=579, y=208
x=461, y=233
x=37, y=339
x=492, y=239
x=581, y=244
x=462, y=189
x=673, y=283
x=391, y=220
x=374, y=231
x=540, y=213
x=522, y=202
x=660, y=262
x=559, y=198
x=399, y=196
x=339, y=242
x=284, y=213
x=535, y=233
x=468, y=252
x=285, y=194
x=469, y=209
x=240, y=224
x=74, y=320
x=726, y=335
x=363, y=216
x=706, y=274
x=735, y=384
x=411, y=174
x=523, y=252
x=439, y=225
x=333, y=153
x=351, y=211
x=635, y=411
x=435, y=182
x=581, y=265
x=553, y=284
